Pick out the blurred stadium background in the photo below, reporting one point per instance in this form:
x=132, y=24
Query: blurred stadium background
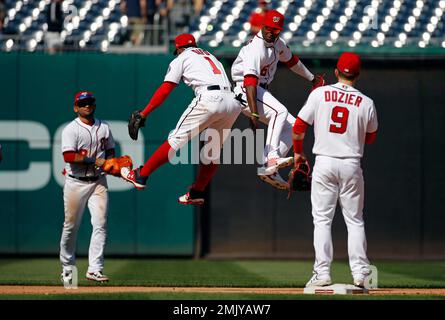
x=108, y=48
x=398, y=27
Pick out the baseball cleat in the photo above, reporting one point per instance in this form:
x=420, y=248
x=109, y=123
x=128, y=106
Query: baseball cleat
x=275, y=180
x=67, y=278
x=359, y=279
x=274, y=164
x=134, y=177
x=193, y=197
x=317, y=281
x=97, y=276
x=359, y=283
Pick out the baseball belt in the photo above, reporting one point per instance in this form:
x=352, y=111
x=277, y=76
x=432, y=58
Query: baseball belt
x=89, y=179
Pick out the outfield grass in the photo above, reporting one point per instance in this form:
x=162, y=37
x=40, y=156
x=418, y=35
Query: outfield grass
x=188, y=273
x=244, y=273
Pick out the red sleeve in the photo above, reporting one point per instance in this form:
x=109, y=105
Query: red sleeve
x=298, y=146
x=159, y=97
x=370, y=137
x=293, y=61
x=299, y=126
x=69, y=156
x=250, y=80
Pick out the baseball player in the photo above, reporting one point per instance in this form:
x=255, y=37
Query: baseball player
x=213, y=107
x=344, y=120
x=86, y=143
x=252, y=71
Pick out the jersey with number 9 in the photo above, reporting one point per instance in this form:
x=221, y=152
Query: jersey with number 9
x=342, y=116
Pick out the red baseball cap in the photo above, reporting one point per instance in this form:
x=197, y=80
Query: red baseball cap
x=183, y=40
x=274, y=19
x=349, y=63
x=81, y=95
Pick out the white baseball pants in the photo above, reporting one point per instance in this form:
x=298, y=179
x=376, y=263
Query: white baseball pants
x=214, y=109
x=342, y=179
x=76, y=195
x=277, y=118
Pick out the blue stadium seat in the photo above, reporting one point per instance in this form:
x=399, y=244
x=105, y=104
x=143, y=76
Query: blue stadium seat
x=397, y=26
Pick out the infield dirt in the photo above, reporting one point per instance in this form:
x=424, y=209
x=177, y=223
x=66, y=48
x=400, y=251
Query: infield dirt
x=121, y=289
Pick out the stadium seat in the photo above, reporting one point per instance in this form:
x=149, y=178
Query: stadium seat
x=419, y=21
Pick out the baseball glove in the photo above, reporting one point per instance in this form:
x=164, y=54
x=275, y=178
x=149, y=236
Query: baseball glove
x=299, y=178
x=113, y=166
x=134, y=123
x=318, y=81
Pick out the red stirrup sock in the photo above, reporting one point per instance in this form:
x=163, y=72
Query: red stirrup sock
x=205, y=174
x=157, y=159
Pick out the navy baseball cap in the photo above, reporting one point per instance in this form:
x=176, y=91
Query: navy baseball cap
x=83, y=95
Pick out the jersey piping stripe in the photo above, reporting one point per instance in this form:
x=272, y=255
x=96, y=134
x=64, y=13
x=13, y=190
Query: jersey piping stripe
x=268, y=42
x=187, y=115
x=343, y=89
x=97, y=144
x=274, y=120
x=275, y=56
x=268, y=67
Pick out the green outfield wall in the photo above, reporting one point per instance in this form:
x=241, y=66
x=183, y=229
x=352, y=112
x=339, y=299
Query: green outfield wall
x=37, y=93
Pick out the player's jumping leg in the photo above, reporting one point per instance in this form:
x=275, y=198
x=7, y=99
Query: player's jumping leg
x=195, y=195
x=223, y=121
x=285, y=145
x=138, y=177
x=275, y=115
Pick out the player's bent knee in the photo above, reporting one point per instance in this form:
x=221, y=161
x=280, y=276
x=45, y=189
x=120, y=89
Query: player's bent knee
x=177, y=143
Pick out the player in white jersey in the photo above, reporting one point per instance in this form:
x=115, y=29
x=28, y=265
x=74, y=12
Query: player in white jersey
x=252, y=71
x=344, y=121
x=213, y=107
x=86, y=143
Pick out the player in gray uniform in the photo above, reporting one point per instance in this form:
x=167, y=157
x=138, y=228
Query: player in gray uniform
x=86, y=143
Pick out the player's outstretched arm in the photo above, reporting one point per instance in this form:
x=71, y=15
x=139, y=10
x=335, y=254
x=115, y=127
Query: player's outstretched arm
x=137, y=118
x=159, y=97
x=299, y=68
x=296, y=66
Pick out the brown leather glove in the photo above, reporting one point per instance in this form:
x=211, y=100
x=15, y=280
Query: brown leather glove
x=113, y=166
x=318, y=81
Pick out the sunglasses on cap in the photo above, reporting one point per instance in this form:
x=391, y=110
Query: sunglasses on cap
x=86, y=102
